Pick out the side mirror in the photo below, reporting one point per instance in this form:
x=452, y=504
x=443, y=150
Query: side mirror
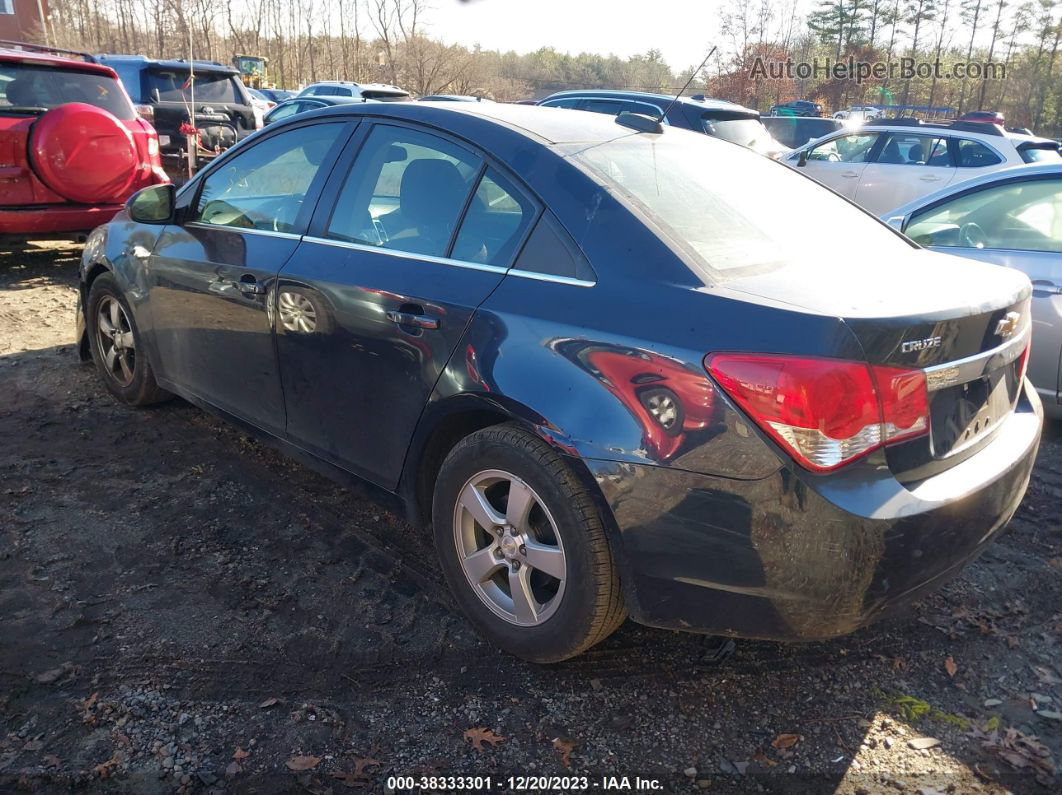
x=154, y=205
x=803, y=161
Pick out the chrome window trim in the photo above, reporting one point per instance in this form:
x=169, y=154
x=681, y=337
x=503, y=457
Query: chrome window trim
x=960, y=371
x=457, y=263
x=549, y=277
x=263, y=232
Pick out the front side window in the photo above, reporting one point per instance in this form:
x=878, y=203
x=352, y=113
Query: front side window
x=285, y=110
x=745, y=131
x=25, y=86
x=733, y=211
x=974, y=154
x=406, y=191
x=1024, y=215
x=495, y=223
x=565, y=102
x=846, y=149
x=915, y=150
x=263, y=187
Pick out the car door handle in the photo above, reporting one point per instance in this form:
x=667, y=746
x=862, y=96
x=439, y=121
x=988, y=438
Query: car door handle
x=1044, y=286
x=850, y=174
x=930, y=178
x=248, y=285
x=412, y=320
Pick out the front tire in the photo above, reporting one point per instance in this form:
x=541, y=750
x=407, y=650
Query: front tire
x=117, y=348
x=523, y=546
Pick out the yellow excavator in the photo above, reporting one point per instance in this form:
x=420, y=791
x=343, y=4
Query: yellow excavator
x=252, y=70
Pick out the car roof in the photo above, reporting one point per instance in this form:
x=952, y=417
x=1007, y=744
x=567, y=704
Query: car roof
x=177, y=64
x=1030, y=170
x=698, y=101
x=551, y=125
x=348, y=83
x=9, y=55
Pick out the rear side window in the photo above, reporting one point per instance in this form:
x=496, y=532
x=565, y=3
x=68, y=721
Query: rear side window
x=973, y=154
x=550, y=251
x=28, y=86
x=565, y=102
x=406, y=192
x=495, y=222
x=331, y=91
x=915, y=150
x=175, y=85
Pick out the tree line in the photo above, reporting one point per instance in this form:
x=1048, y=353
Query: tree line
x=390, y=41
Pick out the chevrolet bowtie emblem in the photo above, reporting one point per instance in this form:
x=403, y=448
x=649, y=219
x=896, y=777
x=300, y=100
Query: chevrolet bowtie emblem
x=1008, y=324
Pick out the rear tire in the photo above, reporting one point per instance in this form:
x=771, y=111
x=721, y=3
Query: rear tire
x=117, y=347
x=540, y=582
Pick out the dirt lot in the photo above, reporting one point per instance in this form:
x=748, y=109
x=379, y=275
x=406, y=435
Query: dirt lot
x=182, y=608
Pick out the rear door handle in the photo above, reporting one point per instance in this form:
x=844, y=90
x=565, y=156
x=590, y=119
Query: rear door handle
x=1044, y=286
x=930, y=178
x=412, y=320
x=248, y=285
x=850, y=174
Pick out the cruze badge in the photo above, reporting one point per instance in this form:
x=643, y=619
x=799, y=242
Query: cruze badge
x=920, y=345
x=1008, y=324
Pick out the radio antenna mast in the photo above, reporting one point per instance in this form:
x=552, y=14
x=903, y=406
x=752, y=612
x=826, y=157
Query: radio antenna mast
x=682, y=90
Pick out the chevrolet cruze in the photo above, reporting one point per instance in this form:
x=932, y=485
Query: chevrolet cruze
x=617, y=369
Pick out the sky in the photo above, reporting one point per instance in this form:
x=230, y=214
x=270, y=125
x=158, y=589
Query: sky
x=683, y=30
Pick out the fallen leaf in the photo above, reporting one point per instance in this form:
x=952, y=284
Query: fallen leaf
x=899, y=664
x=922, y=743
x=300, y=763
x=477, y=736
x=50, y=760
x=361, y=764
x=785, y=741
x=90, y=702
x=233, y=770
x=269, y=702
x=763, y=759
x=103, y=770
x=239, y=754
x=358, y=777
x=565, y=747
x=950, y=666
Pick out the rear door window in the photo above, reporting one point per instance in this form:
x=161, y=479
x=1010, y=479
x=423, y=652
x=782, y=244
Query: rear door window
x=495, y=223
x=406, y=191
x=915, y=150
x=26, y=86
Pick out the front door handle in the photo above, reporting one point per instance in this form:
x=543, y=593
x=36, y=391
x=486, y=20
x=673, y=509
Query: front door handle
x=248, y=285
x=412, y=320
x=850, y=174
x=930, y=178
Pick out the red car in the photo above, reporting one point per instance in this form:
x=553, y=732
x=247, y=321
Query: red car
x=983, y=116
x=72, y=146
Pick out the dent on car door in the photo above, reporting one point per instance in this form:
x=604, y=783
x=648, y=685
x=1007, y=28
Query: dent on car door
x=839, y=162
x=1016, y=223
x=413, y=232
x=211, y=277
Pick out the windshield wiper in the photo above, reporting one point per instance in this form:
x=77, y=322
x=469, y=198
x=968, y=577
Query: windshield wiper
x=23, y=109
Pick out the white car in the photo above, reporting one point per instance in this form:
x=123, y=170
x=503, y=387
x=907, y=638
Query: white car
x=882, y=165
x=346, y=88
x=858, y=113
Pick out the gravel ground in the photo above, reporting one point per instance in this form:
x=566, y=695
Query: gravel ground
x=182, y=609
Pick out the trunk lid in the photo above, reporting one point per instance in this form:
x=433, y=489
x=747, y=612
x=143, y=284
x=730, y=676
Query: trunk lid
x=965, y=323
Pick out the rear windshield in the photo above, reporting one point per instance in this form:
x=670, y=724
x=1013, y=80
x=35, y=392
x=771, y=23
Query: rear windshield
x=385, y=96
x=733, y=212
x=745, y=131
x=29, y=86
x=175, y=85
x=1040, y=153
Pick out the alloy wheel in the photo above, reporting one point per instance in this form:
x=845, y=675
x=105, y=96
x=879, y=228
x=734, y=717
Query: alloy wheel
x=509, y=548
x=297, y=312
x=114, y=336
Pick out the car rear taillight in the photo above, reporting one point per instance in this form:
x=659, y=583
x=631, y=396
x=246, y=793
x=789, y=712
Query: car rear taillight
x=146, y=112
x=825, y=412
x=1023, y=363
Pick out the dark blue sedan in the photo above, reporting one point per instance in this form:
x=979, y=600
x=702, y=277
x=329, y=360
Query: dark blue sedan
x=616, y=372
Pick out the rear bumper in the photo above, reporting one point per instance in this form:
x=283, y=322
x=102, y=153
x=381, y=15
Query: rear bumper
x=800, y=557
x=35, y=223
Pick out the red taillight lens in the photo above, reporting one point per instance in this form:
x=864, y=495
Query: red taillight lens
x=826, y=412
x=1023, y=364
x=146, y=112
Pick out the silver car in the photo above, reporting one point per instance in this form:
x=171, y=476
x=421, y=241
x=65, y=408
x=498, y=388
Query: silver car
x=1011, y=217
